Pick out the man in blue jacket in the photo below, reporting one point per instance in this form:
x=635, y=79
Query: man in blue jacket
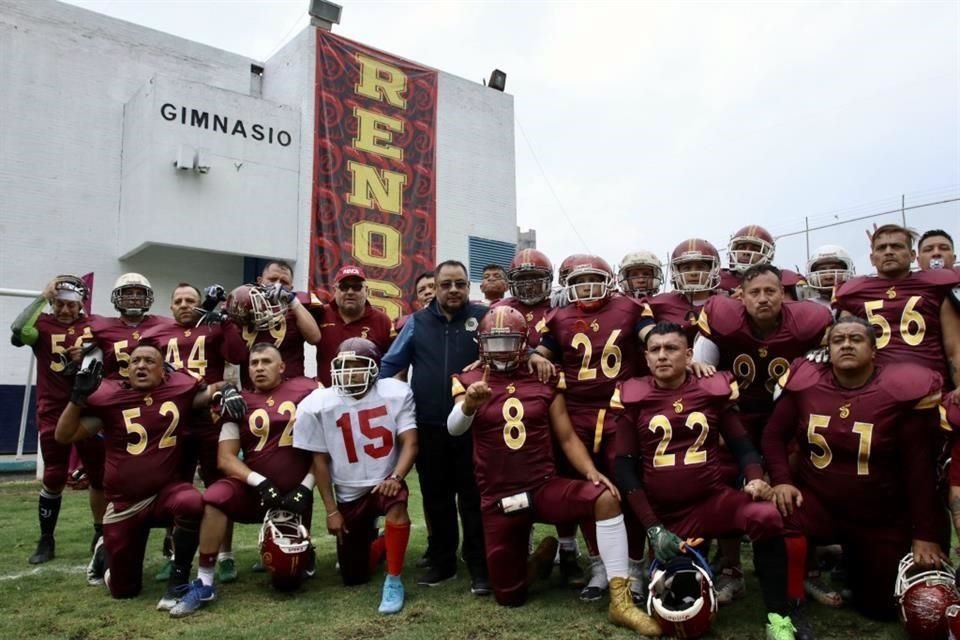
x=439, y=341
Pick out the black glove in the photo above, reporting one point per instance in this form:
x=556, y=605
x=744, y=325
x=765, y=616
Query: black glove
x=212, y=317
x=232, y=403
x=270, y=498
x=300, y=500
x=212, y=296
x=86, y=382
x=70, y=367
x=665, y=543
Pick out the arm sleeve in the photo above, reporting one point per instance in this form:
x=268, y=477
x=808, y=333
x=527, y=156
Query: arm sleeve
x=628, y=470
x=401, y=351
x=917, y=435
x=308, y=433
x=22, y=330
x=550, y=342
x=740, y=446
x=458, y=422
x=776, y=435
x=705, y=350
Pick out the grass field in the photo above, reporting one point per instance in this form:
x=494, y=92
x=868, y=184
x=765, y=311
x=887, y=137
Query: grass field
x=53, y=600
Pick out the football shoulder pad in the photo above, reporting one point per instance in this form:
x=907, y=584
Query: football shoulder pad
x=852, y=286
x=908, y=382
x=791, y=278
x=803, y=375
x=722, y=316
x=635, y=389
x=939, y=277
x=460, y=381
x=720, y=385
x=807, y=319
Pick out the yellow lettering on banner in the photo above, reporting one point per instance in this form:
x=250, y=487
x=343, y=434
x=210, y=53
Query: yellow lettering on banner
x=375, y=133
x=373, y=188
x=384, y=296
x=363, y=233
x=381, y=81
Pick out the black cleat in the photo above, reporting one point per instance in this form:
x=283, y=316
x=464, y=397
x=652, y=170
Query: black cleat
x=45, y=551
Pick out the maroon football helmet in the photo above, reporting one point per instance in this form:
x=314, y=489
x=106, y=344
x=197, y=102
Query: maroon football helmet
x=530, y=277
x=924, y=597
x=503, y=338
x=355, y=367
x=248, y=306
x=953, y=622
x=567, y=265
x=590, y=295
x=749, y=246
x=284, y=549
x=684, y=274
x=682, y=597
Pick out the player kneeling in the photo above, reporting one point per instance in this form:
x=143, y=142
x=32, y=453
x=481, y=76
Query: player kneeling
x=271, y=475
x=513, y=416
x=351, y=428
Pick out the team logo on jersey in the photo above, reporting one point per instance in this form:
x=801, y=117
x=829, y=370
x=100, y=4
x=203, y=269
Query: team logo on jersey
x=470, y=324
x=891, y=293
x=148, y=400
x=845, y=411
x=678, y=406
x=187, y=333
x=511, y=389
x=580, y=326
x=364, y=331
x=762, y=352
x=595, y=325
x=529, y=316
x=270, y=401
x=136, y=335
x=71, y=331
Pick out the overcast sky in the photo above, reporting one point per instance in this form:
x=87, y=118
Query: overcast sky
x=642, y=124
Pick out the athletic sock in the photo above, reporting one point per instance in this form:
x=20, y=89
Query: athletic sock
x=612, y=545
x=48, y=511
x=396, y=537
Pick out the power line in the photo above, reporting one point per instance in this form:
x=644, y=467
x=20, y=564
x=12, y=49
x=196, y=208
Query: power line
x=283, y=40
x=866, y=217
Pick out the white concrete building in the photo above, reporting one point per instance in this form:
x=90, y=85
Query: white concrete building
x=119, y=151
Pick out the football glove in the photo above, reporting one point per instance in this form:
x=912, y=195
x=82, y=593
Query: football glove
x=270, y=498
x=279, y=294
x=86, y=382
x=665, y=543
x=298, y=500
x=215, y=316
x=212, y=296
x=232, y=403
x=820, y=355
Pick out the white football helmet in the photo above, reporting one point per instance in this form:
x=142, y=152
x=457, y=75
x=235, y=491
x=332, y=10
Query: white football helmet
x=132, y=294
x=353, y=380
x=637, y=259
x=824, y=279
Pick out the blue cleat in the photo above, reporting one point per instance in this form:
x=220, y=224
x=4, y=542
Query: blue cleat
x=393, y=595
x=195, y=598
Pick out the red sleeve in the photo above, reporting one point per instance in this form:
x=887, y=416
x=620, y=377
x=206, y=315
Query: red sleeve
x=917, y=436
x=776, y=435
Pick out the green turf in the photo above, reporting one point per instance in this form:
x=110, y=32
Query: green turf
x=53, y=600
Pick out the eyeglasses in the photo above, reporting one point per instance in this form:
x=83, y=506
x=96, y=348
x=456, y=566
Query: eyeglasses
x=350, y=286
x=446, y=285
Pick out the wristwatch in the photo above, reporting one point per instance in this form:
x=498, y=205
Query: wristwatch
x=396, y=477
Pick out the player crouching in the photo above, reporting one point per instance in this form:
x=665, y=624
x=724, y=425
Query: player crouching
x=513, y=416
x=271, y=475
x=352, y=428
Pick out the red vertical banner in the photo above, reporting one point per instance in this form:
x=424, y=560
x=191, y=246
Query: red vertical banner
x=374, y=193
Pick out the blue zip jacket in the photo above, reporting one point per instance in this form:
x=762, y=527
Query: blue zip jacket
x=437, y=349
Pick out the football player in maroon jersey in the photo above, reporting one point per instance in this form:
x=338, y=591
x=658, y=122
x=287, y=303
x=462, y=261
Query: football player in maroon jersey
x=132, y=297
x=596, y=341
x=755, y=338
x=350, y=315
x=513, y=416
x=749, y=246
x=670, y=472
x=272, y=474
x=866, y=433
x=695, y=275
x=914, y=320
x=57, y=340
x=139, y=417
x=287, y=332
x=935, y=250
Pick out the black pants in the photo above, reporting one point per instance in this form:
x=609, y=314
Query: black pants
x=445, y=467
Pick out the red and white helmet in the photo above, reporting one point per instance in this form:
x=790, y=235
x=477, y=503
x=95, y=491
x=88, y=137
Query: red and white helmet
x=822, y=271
x=953, y=622
x=589, y=295
x=924, y=597
x=349, y=378
x=530, y=277
x=502, y=335
x=132, y=294
x=638, y=260
x=249, y=306
x=682, y=597
x=690, y=252
x=749, y=246
x=567, y=265
x=285, y=548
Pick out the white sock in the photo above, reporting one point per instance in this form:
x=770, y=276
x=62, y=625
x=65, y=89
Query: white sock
x=206, y=576
x=612, y=545
x=568, y=544
x=224, y=555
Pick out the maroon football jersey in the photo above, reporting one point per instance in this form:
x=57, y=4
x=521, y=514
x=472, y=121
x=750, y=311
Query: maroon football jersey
x=677, y=308
x=533, y=315
x=199, y=349
x=286, y=337
x=53, y=387
x=756, y=362
x=904, y=312
x=866, y=453
x=266, y=433
x=512, y=444
x=676, y=435
x=117, y=339
x=140, y=432
x=374, y=325
x=598, y=348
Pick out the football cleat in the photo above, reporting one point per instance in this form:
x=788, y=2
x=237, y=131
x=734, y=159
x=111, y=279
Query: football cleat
x=98, y=564
x=197, y=595
x=570, y=569
x=780, y=627
x=638, y=582
x=480, y=585
x=730, y=585
x=172, y=596
x=227, y=570
x=597, y=584
x=540, y=562
x=624, y=613
x=45, y=550
x=393, y=596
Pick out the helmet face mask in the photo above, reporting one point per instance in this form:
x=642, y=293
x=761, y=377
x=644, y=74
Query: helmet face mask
x=924, y=597
x=132, y=295
x=284, y=548
x=749, y=246
x=686, y=257
x=589, y=282
x=682, y=597
x=354, y=370
x=249, y=306
x=502, y=337
x=530, y=277
x=829, y=266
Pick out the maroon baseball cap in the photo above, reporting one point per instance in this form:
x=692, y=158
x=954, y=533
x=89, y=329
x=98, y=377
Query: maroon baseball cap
x=349, y=271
